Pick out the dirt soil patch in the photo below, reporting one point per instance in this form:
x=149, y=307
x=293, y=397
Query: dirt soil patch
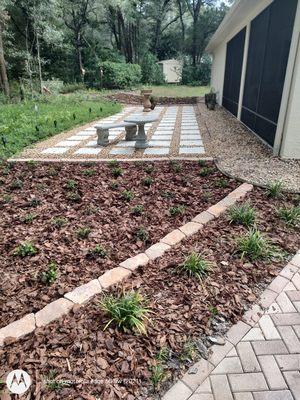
x=66, y=210
x=185, y=311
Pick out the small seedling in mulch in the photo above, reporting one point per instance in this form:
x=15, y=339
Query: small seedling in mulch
x=147, y=181
x=242, y=214
x=221, y=183
x=213, y=310
x=34, y=202
x=202, y=163
x=176, y=167
x=89, y=172
x=6, y=198
x=25, y=249
x=149, y=168
x=116, y=172
x=128, y=311
x=97, y=251
x=71, y=184
x=83, y=233
x=205, y=171
x=32, y=164
x=50, y=276
x=91, y=209
x=255, y=246
x=28, y=218
x=142, y=234
x=177, y=210
x=163, y=354
x=54, y=384
x=274, y=189
x=113, y=164
x=52, y=171
x=114, y=185
x=196, y=266
x=16, y=184
x=158, y=374
x=137, y=210
x=59, y=222
x=167, y=194
x=74, y=197
x=290, y=215
x=207, y=196
x=189, y=351
x=127, y=195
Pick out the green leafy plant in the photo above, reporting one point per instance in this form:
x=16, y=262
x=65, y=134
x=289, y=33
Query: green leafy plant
x=127, y=195
x=114, y=185
x=59, y=222
x=6, y=198
x=189, y=351
x=97, y=251
x=89, y=172
x=83, y=233
x=202, y=163
x=50, y=276
x=137, y=210
x=274, y=189
x=54, y=384
x=290, y=215
x=16, y=184
x=25, y=249
x=158, y=374
x=196, y=266
x=147, y=181
x=149, y=168
x=113, y=163
x=221, y=183
x=116, y=172
x=71, y=184
x=205, y=171
x=254, y=245
x=28, y=218
x=176, y=210
x=34, y=202
x=167, y=194
x=242, y=214
x=74, y=197
x=142, y=234
x=176, y=166
x=128, y=311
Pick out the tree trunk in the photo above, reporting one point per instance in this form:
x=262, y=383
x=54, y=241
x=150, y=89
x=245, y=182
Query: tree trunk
x=181, y=21
x=3, y=72
x=79, y=55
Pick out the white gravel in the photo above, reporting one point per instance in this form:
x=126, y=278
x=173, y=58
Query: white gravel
x=239, y=153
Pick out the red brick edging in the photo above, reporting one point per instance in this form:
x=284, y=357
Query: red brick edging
x=82, y=294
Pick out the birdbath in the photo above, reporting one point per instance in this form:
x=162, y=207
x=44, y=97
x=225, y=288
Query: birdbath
x=140, y=121
x=146, y=93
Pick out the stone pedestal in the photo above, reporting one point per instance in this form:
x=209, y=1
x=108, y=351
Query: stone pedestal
x=146, y=100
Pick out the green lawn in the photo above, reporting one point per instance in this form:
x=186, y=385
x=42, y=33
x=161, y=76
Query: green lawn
x=26, y=123
x=179, y=90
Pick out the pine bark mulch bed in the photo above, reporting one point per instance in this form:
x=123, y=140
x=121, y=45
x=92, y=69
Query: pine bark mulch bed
x=185, y=311
x=50, y=205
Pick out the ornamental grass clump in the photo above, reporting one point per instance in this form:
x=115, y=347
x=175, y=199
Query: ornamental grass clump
x=128, y=311
x=255, y=246
x=176, y=210
x=242, y=214
x=137, y=210
x=290, y=215
x=196, y=266
x=274, y=189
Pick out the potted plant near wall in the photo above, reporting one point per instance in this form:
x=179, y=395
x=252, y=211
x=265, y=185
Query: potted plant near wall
x=211, y=99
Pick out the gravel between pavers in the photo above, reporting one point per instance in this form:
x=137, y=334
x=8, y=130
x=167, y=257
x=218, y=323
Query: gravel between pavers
x=241, y=154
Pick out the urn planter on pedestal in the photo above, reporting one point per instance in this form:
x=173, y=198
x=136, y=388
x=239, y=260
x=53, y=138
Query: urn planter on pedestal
x=146, y=99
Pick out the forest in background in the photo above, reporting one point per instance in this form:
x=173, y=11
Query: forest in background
x=70, y=40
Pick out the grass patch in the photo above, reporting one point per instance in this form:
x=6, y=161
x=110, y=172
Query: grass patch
x=26, y=123
x=274, y=189
x=255, y=246
x=196, y=266
x=242, y=214
x=128, y=311
x=290, y=215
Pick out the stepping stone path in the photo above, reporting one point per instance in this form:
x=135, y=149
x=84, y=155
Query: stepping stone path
x=175, y=134
x=261, y=356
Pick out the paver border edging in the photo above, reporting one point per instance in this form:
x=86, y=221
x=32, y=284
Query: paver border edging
x=84, y=293
x=184, y=388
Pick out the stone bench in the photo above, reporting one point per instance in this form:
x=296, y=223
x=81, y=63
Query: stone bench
x=103, y=132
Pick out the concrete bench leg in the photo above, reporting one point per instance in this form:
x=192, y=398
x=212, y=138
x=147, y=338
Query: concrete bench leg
x=102, y=137
x=130, y=132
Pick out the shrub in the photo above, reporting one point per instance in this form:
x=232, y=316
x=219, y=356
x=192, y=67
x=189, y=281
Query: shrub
x=291, y=215
x=128, y=311
x=254, y=246
x=151, y=71
x=120, y=75
x=198, y=75
x=72, y=87
x=176, y=210
x=25, y=249
x=50, y=275
x=274, y=189
x=242, y=214
x=195, y=265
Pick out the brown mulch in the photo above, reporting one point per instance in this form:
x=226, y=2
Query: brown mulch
x=78, y=350
x=42, y=191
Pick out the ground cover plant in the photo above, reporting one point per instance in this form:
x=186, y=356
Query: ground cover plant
x=185, y=312
x=25, y=123
x=87, y=224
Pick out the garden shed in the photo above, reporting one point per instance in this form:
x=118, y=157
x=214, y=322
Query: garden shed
x=256, y=70
x=172, y=70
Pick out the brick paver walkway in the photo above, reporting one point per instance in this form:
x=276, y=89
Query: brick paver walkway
x=261, y=356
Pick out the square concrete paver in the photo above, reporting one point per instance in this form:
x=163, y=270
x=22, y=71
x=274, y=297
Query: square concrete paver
x=55, y=150
x=157, y=151
x=191, y=150
x=122, y=151
x=88, y=151
x=68, y=143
